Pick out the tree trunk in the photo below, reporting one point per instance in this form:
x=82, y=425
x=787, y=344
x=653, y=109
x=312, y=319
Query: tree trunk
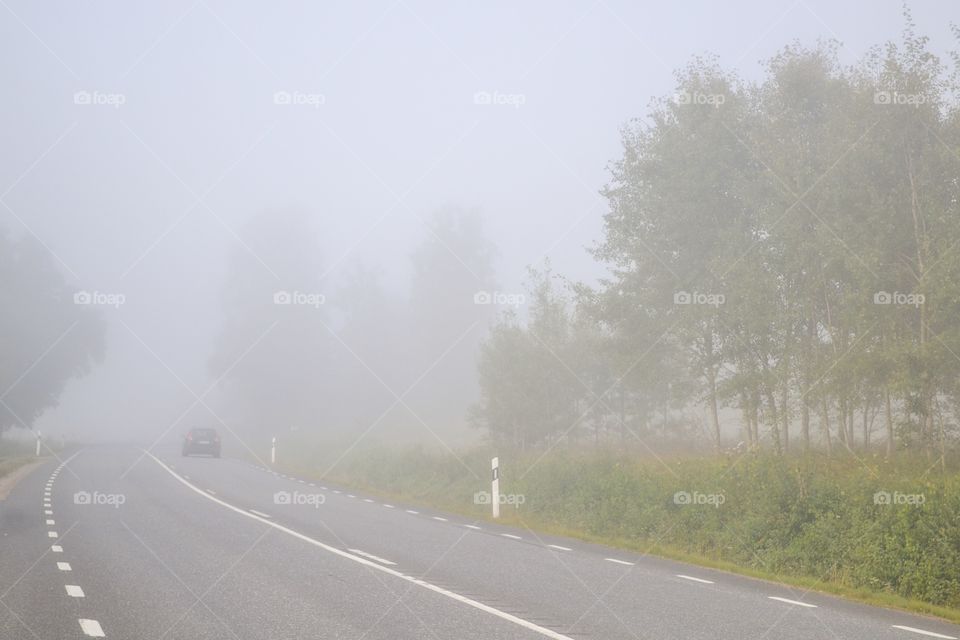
x=714, y=412
x=888, y=414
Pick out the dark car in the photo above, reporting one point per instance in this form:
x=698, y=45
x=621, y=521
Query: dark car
x=202, y=441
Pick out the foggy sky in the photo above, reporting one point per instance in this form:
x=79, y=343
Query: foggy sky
x=149, y=198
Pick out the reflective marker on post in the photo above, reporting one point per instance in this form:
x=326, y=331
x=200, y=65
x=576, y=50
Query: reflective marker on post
x=273, y=450
x=495, y=487
x=38, y=444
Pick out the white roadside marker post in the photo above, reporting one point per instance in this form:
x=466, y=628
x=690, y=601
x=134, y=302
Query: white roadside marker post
x=273, y=450
x=495, y=487
x=38, y=444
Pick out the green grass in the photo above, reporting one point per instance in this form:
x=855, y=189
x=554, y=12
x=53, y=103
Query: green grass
x=809, y=521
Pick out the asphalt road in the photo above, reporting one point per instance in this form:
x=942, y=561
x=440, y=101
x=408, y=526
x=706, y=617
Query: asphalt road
x=116, y=543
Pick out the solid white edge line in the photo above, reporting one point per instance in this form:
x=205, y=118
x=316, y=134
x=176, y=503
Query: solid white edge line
x=922, y=632
x=259, y=513
x=559, y=548
x=74, y=591
x=503, y=615
x=796, y=602
x=91, y=628
x=372, y=557
x=680, y=575
x=629, y=564
x=472, y=526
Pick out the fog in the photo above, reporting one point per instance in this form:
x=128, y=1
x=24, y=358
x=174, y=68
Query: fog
x=383, y=161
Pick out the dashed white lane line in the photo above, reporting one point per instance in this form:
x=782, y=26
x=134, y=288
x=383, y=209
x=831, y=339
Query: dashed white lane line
x=629, y=564
x=559, y=548
x=50, y=522
x=51, y=534
x=259, y=513
x=680, y=575
x=64, y=566
x=74, y=591
x=56, y=548
x=503, y=615
x=796, y=602
x=367, y=500
x=48, y=512
x=472, y=526
x=511, y=536
x=388, y=506
x=440, y=519
x=337, y=492
x=372, y=557
x=412, y=512
x=92, y=628
x=350, y=495
x=922, y=632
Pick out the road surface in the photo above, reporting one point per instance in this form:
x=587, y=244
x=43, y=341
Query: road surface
x=114, y=542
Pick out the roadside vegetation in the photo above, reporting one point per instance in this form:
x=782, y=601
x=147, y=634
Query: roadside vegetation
x=880, y=531
x=781, y=307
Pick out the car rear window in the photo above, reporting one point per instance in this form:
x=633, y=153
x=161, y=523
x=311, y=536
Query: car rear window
x=204, y=433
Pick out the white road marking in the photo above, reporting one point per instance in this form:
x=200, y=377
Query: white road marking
x=367, y=500
x=64, y=566
x=335, y=491
x=796, y=602
x=472, y=526
x=74, y=591
x=51, y=522
x=51, y=534
x=372, y=557
x=440, y=519
x=259, y=513
x=630, y=564
x=922, y=632
x=556, y=546
x=388, y=506
x=680, y=575
x=56, y=548
x=511, y=536
x=321, y=488
x=412, y=512
x=302, y=481
x=48, y=512
x=503, y=615
x=350, y=495
x=92, y=628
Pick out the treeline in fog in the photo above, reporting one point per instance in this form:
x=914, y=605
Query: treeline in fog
x=784, y=252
